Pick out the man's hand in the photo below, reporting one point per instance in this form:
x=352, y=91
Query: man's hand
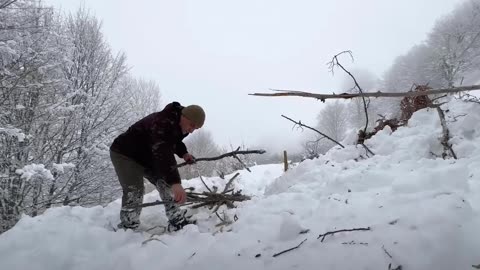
x=189, y=158
x=179, y=194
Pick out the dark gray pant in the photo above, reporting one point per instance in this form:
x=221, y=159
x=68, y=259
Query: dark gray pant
x=130, y=175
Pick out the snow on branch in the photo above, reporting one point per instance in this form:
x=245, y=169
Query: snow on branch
x=14, y=132
x=34, y=170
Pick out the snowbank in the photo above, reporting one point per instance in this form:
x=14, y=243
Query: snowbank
x=422, y=211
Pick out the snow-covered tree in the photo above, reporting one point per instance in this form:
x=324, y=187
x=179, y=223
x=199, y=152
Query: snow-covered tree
x=29, y=81
x=332, y=120
x=92, y=76
x=63, y=98
x=455, y=44
x=142, y=98
x=200, y=144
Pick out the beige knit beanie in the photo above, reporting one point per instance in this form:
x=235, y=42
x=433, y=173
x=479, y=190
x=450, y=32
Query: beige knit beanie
x=195, y=114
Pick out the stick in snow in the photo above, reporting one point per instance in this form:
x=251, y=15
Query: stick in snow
x=290, y=249
x=344, y=230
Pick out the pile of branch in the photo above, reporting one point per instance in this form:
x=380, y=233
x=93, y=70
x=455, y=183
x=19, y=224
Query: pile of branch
x=211, y=198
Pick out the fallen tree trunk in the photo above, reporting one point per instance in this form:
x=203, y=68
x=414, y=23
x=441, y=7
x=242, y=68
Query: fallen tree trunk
x=323, y=97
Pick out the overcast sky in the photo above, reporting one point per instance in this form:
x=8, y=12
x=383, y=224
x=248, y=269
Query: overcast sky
x=213, y=53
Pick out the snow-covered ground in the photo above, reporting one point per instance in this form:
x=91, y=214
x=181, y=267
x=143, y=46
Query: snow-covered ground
x=422, y=211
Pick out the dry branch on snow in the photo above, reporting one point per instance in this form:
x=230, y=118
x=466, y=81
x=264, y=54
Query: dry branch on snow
x=323, y=97
x=210, y=198
x=344, y=230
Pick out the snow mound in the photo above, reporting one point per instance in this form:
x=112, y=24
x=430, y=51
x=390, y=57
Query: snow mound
x=414, y=209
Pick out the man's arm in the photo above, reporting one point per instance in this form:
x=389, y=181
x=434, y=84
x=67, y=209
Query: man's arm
x=163, y=158
x=180, y=149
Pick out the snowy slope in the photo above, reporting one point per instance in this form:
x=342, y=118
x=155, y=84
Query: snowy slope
x=422, y=211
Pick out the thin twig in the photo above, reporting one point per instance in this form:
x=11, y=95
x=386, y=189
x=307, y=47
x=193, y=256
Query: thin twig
x=386, y=252
x=433, y=99
x=396, y=268
x=157, y=226
x=355, y=243
x=216, y=213
x=335, y=62
x=344, y=230
x=226, y=190
x=368, y=149
x=290, y=249
x=241, y=162
x=218, y=206
x=399, y=267
x=7, y=3
x=157, y=202
x=153, y=239
x=455, y=117
x=303, y=125
x=201, y=178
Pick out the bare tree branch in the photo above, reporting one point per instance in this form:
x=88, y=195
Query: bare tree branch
x=334, y=63
x=230, y=154
x=6, y=3
x=323, y=97
x=446, y=132
x=303, y=125
x=290, y=249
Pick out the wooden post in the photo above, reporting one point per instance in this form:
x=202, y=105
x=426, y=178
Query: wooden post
x=285, y=160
